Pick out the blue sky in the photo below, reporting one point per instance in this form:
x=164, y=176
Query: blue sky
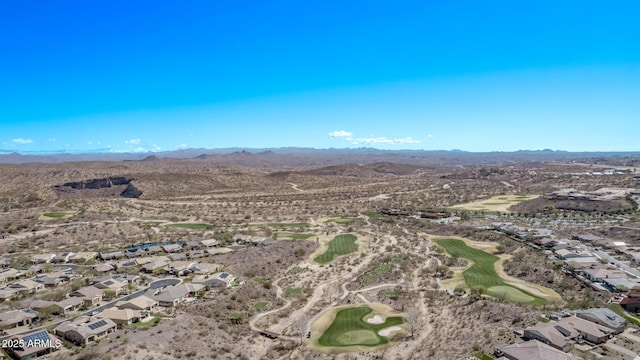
x=478, y=76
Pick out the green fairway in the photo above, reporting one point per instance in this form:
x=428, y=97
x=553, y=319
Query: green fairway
x=340, y=245
x=290, y=235
x=191, y=226
x=292, y=291
x=349, y=329
x=374, y=214
x=483, y=272
x=59, y=214
x=344, y=220
x=510, y=293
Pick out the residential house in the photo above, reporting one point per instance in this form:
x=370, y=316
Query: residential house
x=62, y=257
x=8, y=294
x=90, y=295
x=41, y=258
x=171, y=248
x=563, y=333
x=140, y=303
x=7, y=274
x=192, y=289
x=621, y=284
x=127, y=263
x=156, y=265
x=226, y=277
x=52, y=280
x=104, y=267
x=143, y=260
x=207, y=280
x=632, y=302
x=599, y=274
x=69, y=304
x=177, y=256
x=216, y=251
x=604, y=317
x=83, y=257
x=154, y=249
x=111, y=285
x=41, y=306
x=27, y=286
x=127, y=278
x=33, y=345
x=197, y=254
x=130, y=254
x=205, y=268
x=111, y=255
x=532, y=350
x=191, y=245
x=546, y=242
x=210, y=243
x=16, y=318
x=123, y=278
x=569, y=253
x=180, y=268
x=121, y=317
x=174, y=295
x=82, y=332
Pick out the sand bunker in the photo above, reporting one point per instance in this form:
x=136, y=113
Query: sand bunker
x=376, y=320
x=389, y=330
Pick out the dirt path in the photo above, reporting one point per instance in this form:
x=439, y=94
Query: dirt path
x=295, y=187
x=253, y=322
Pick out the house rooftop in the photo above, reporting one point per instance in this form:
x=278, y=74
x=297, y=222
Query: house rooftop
x=534, y=350
x=16, y=316
x=605, y=316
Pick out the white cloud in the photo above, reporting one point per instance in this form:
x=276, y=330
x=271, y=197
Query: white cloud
x=182, y=146
x=156, y=147
x=140, y=149
x=52, y=140
x=132, y=142
x=341, y=134
x=385, y=140
x=429, y=136
x=89, y=142
x=22, y=141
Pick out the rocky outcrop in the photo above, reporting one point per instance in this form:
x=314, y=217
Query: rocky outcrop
x=131, y=192
x=104, y=187
x=98, y=183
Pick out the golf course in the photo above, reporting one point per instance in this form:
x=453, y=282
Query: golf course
x=340, y=245
x=356, y=328
x=482, y=274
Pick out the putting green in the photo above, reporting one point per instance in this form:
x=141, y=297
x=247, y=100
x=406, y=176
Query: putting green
x=358, y=337
x=348, y=330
